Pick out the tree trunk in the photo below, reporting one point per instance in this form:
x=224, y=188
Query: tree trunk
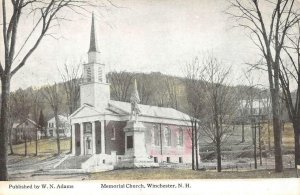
x=219, y=160
x=193, y=147
x=259, y=144
x=71, y=143
x=243, y=132
x=36, y=142
x=277, y=144
x=71, y=111
x=196, y=146
x=57, y=132
x=276, y=119
x=254, y=147
x=10, y=140
x=25, y=139
x=296, y=126
x=269, y=136
x=218, y=147
x=5, y=81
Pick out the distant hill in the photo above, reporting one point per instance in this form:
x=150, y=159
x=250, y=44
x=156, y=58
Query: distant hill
x=154, y=88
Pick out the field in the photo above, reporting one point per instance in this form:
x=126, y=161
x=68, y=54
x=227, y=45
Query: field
x=287, y=136
x=45, y=147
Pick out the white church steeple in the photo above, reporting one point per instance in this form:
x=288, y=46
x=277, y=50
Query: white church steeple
x=94, y=89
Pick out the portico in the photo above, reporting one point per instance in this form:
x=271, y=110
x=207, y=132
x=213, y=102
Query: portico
x=89, y=138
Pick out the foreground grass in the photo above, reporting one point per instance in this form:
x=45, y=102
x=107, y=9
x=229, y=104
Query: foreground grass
x=159, y=173
x=45, y=146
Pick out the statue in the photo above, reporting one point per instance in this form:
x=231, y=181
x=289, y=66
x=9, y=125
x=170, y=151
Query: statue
x=134, y=100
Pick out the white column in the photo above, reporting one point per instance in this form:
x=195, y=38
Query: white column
x=102, y=138
x=73, y=139
x=81, y=140
x=93, y=138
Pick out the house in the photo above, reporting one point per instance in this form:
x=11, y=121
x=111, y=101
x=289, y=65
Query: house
x=255, y=107
x=64, y=128
x=124, y=134
x=27, y=129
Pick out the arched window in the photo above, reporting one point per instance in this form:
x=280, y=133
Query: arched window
x=167, y=134
x=180, y=137
x=155, y=135
x=88, y=74
x=100, y=79
x=113, y=133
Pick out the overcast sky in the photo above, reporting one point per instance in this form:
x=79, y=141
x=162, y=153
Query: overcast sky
x=146, y=36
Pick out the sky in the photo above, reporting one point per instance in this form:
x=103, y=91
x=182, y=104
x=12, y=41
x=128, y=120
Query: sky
x=142, y=36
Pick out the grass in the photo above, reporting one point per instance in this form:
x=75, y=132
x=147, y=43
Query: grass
x=45, y=147
x=287, y=136
x=160, y=173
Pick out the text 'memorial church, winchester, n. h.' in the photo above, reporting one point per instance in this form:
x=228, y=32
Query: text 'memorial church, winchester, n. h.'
x=114, y=134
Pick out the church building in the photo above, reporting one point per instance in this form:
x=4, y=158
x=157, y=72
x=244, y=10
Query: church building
x=113, y=134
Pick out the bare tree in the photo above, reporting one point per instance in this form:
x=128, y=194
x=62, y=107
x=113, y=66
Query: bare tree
x=46, y=15
x=120, y=85
x=268, y=31
x=19, y=111
x=193, y=88
x=290, y=84
x=71, y=79
x=146, y=87
x=172, y=91
x=219, y=103
x=54, y=98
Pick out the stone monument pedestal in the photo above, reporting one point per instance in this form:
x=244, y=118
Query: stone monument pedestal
x=135, y=147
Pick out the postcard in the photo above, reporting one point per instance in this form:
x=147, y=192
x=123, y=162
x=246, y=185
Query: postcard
x=150, y=97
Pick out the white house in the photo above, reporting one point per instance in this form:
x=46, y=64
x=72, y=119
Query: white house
x=64, y=128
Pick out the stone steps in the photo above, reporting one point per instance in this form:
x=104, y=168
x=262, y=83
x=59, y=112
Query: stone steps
x=73, y=162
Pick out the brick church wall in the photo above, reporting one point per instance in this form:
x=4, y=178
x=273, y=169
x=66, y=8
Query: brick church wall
x=117, y=142
x=161, y=151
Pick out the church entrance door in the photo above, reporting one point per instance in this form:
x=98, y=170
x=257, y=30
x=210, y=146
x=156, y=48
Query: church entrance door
x=88, y=145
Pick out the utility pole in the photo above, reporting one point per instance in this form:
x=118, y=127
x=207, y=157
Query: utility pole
x=259, y=133
x=254, y=142
x=259, y=139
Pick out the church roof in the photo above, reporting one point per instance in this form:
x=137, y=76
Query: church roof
x=151, y=111
x=93, y=37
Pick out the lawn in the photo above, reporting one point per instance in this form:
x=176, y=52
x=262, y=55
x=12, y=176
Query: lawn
x=287, y=136
x=159, y=173
x=45, y=147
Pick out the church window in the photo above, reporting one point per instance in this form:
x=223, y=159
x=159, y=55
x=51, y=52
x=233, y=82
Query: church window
x=180, y=137
x=167, y=134
x=155, y=136
x=168, y=159
x=88, y=74
x=180, y=159
x=113, y=133
x=87, y=127
x=129, y=142
x=100, y=79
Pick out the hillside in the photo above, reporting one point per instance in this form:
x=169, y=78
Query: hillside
x=154, y=89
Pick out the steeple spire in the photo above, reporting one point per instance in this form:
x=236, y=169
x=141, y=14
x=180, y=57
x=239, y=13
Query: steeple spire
x=93, y=38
